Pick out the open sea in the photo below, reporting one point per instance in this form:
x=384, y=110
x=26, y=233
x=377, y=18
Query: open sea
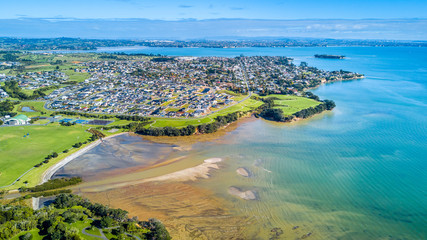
x=358, y=172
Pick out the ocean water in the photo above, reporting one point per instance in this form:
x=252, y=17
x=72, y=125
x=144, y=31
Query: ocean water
x=358, y=172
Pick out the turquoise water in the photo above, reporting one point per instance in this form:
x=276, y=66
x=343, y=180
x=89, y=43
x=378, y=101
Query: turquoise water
x=358, y=172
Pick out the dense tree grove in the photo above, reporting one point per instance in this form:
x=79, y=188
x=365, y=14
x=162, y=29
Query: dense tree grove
x=53, y=222
x=275, y=114
x=40, y=194
x=167, y=131
x=100, y=116
x=219, y=122
x=53, y=184
x=132, y=127
x=14, y=91
x=308, y=112
x=311, y=96
x=6, y=108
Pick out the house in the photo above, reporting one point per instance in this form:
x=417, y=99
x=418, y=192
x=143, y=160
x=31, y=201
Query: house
x=18, y=120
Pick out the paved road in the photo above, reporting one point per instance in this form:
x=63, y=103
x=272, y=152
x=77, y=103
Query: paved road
x=103, y=235
x=17, y=178
x=96, y=236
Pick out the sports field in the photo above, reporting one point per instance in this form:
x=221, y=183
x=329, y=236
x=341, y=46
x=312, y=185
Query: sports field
x=291, y=104
x=18, y=153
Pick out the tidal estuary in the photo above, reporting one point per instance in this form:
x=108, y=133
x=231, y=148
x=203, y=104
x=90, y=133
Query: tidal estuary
x=358, y=172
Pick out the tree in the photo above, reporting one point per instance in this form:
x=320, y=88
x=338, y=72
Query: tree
x=27, y=236
x=10, y=57
x=106, y=222
x=157, y=230
x=6, y=106
x=118, y=214
x=329, y=104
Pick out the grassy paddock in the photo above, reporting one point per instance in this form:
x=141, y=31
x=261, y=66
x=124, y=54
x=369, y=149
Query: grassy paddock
x=18, y=153
x=246, y=105
x=37, y=106
x=76, y=76
x=291, y=104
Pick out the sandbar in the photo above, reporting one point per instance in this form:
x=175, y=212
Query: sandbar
x=247, y=195
x=244, y=172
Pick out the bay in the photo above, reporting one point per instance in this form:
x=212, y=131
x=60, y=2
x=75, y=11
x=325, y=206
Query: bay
x=358, y=172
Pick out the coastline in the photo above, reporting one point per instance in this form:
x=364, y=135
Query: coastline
x=52, y=170
x=183, y=142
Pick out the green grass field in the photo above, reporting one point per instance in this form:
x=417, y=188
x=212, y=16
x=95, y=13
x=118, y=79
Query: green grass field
x=291, y=104
x=246, y=105
x=94, y=231
x=38, y=107
x=34, y=232
x=76, y=76
x=18, y=153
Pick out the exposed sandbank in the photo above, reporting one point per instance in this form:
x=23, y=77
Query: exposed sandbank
x=244, y=172
x=190, y=174
x=247, y=195
x=201, y=171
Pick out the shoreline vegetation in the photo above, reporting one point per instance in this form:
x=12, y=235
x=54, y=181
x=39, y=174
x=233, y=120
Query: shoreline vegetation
x=70, y=216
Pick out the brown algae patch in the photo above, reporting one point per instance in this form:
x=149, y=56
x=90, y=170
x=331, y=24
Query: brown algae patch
x=188, y=212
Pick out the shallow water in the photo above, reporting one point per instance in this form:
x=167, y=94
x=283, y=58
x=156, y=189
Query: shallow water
x=358, y=172
x=27, y=109
x=121, y=152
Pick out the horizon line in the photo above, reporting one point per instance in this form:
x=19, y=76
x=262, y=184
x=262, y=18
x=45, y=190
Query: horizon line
x=208, y=19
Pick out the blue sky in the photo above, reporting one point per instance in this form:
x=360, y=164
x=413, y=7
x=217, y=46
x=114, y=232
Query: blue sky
x=202, y=9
